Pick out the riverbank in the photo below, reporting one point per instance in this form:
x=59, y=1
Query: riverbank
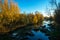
x=26, y=33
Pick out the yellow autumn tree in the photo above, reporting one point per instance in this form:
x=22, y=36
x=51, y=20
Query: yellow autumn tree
x=35, y=20
x=40, y=17
x=30, y=18
x=9, y=16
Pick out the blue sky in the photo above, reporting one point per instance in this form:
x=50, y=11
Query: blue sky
x=33, y=5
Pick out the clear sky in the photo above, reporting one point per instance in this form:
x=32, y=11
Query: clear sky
x=33, y=5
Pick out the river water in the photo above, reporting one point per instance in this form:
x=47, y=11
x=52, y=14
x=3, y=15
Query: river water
x=25, y=34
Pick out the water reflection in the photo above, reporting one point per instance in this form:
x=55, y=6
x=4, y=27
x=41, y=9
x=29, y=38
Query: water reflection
x=39, y=35
x=29, y=33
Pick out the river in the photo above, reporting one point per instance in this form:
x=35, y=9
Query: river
x=26, y=34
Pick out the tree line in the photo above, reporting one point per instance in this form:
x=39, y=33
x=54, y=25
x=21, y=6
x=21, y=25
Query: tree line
x=11, y=17
x=55, y=34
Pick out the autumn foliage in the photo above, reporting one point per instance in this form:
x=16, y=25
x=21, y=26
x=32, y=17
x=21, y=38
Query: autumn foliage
x=11, y=18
